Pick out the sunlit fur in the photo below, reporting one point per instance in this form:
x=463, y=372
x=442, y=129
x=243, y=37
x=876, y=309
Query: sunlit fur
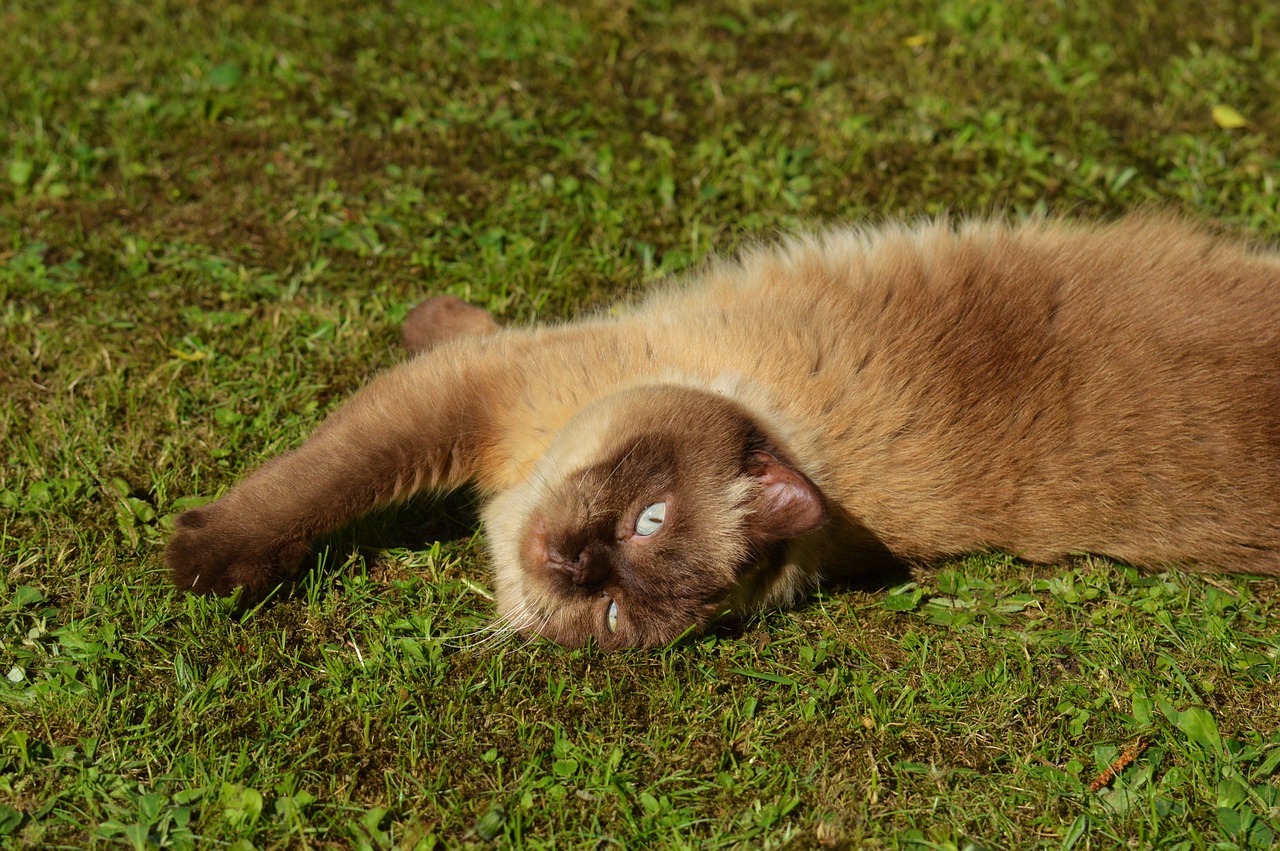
x=1042, y=389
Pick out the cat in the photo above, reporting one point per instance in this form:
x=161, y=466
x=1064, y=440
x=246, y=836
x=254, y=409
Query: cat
x=845, y=400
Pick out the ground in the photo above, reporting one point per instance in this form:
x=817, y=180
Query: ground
x=212, y=218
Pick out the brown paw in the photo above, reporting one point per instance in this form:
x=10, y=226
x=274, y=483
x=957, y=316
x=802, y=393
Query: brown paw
x=443, y=318
x=212, y=554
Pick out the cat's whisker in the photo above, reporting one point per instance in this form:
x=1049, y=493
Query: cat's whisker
x=508, y=623
x=463, y=636
x=491, y=636
x=532, y=625
x=493, y=639
x=504, y=627
x=608, y=480
x=536, y=632
x=489, y=626
x=518, y=620
x=494, y=630
x=540, y=481
x=535, y=480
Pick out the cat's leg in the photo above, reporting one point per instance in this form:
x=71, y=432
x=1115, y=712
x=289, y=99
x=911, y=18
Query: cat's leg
x=442, y=318
x=426, y=424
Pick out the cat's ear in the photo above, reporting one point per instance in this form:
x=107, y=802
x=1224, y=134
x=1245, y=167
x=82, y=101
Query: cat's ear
x=786, y=504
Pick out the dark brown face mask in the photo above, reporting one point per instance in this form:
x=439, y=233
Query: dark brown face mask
x=652, y=541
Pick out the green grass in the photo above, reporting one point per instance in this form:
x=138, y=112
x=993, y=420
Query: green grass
x=213, y=216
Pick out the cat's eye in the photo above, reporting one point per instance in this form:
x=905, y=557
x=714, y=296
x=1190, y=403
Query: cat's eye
x=650, y=520
x=611, y=617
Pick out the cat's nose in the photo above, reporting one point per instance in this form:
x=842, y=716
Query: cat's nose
x=567, y=554
x=588, y=567
x=573, y=567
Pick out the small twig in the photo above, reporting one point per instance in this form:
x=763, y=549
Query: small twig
x=1221, y=586
x=1127, y=756
x=478, y=588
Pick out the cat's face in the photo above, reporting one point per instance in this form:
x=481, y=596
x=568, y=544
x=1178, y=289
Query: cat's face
x=649, y=509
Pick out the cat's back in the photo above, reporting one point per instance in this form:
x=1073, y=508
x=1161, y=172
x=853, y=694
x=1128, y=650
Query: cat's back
x=1155, y=271
x=987, y=306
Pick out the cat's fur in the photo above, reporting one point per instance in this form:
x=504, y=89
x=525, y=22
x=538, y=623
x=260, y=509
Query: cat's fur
x=902, y=392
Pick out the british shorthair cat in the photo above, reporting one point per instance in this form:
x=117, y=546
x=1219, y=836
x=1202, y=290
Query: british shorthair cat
x=814, y=410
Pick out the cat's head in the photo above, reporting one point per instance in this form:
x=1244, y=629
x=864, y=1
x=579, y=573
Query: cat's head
x=649, y=512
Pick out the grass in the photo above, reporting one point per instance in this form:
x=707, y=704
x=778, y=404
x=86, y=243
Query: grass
x=213, y=216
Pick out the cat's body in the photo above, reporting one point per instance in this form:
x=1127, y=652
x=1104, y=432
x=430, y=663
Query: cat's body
x=907, y=393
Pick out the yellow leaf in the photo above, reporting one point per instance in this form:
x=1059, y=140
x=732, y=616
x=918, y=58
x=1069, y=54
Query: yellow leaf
x=1228, y=117
x=915, y=40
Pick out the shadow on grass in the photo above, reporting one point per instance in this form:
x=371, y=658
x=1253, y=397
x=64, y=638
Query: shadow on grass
x=453, y=518
x=450, y=519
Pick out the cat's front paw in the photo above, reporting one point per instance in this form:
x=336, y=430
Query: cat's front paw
x=214, y=553
x=443, y=318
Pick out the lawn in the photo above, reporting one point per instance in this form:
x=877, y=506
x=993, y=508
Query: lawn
x=213, y=216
